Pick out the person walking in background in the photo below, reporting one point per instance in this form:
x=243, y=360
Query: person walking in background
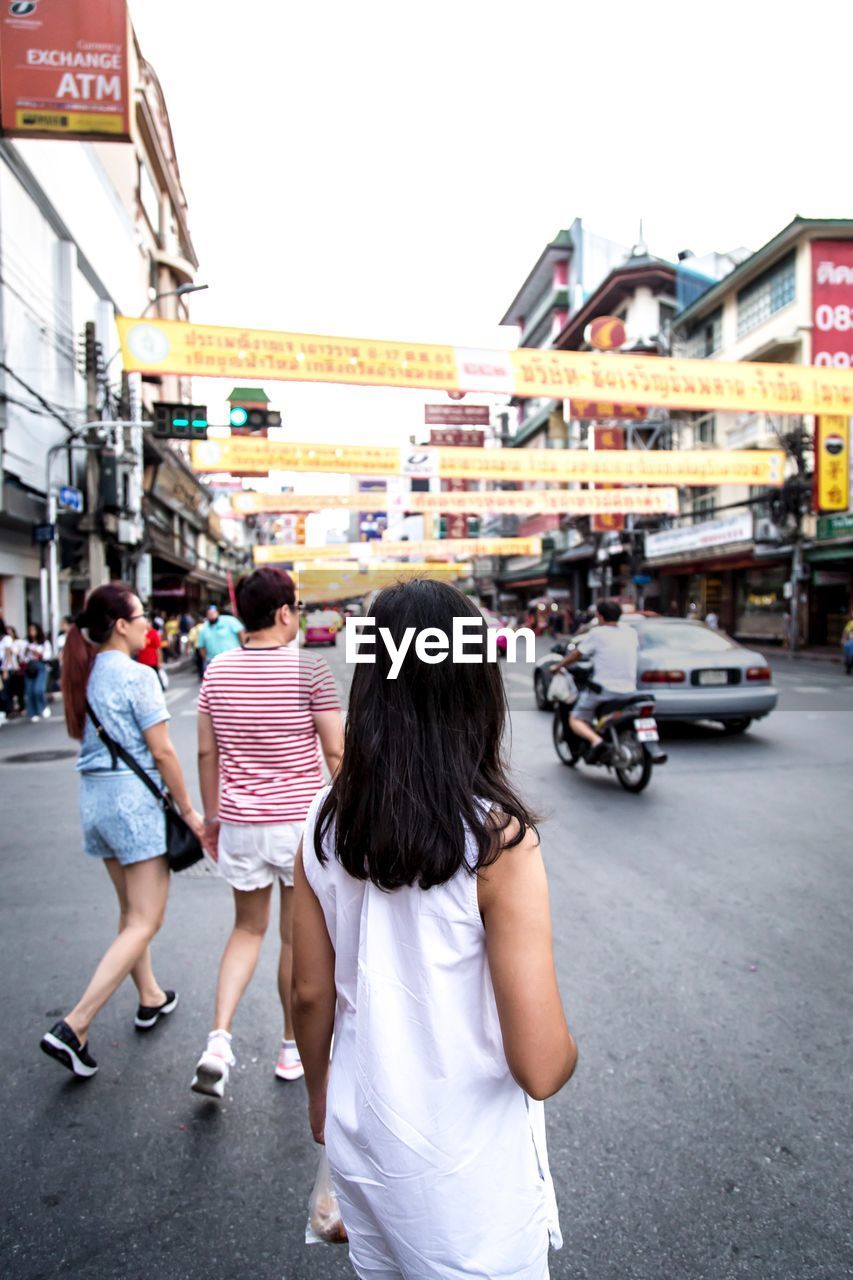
x=151, y=653
x=123, y=823
x=192, y=640
x=37, y=655
x=219, y=633
x=266, y=712
x=423, y=943
x=6, y=644
x=12, y=664
x=171, y=636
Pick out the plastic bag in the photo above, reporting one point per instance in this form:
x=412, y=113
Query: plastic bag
x=325, y=1225
x=563, y=688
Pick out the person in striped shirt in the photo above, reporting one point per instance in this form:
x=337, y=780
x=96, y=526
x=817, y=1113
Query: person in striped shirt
x=269, y=714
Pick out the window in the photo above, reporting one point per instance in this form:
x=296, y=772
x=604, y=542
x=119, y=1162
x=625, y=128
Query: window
x=706, y=338
x=705, y=429
x=704, y=503
x=667, y=315
x=772, y=291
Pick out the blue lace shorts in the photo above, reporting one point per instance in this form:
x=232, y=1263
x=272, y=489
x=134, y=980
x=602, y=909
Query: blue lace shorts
x=121, y=818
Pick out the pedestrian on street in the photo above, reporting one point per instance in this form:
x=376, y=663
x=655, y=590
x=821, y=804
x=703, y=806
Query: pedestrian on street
x=12, y=664
x=151, y=653
x=6, y=645
x=266, y=712
x=219, y=633
x=123, y=823
x=423, y=943
x=192, y=640
x=37, y=655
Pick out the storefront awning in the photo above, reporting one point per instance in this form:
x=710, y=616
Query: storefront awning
x=532, y=575
x=577, y=554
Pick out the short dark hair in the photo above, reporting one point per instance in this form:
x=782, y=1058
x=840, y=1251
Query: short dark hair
x=609, y=610
x=261, y=594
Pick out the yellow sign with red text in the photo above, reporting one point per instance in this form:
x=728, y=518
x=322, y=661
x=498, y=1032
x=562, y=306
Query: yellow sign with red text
x=658, y=500
x=244, y=455
x=425, y=549
x=213, y=351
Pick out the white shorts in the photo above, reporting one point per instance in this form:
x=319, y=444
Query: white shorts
x=253, y=855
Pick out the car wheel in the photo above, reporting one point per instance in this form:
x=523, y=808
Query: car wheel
x=540, y=690
x=740, y=725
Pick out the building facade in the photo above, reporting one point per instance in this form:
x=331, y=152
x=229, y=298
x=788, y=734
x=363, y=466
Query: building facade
x=741, y=564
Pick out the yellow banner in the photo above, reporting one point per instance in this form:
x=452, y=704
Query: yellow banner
x=244, y=455
x=832, y=463
x=425, y=549
x=653, y=501
x=339, y=582
x=213, y=351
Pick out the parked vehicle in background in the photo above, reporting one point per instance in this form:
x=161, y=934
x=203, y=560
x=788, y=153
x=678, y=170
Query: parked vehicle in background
x=322, y=627
x=695, y=672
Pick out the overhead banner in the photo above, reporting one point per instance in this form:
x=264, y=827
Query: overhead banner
x=337, y=583
x=425, y=549
x=212, y=351
x=832, y=463
x=243, y=455
x=64, y=70
x=658, y=500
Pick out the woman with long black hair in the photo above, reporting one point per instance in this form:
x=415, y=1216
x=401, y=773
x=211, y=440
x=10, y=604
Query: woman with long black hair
x=422, y=941
x=123, y=823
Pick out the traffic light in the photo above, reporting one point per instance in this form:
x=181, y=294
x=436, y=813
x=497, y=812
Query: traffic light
x=253, y=419
x=180, y=421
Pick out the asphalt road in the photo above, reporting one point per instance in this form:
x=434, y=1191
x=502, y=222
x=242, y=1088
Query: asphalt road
x=704, y=948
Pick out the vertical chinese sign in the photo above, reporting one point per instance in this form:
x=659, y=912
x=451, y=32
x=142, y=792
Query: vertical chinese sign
x=608, y=438
x=64, y=70
x=832, y=347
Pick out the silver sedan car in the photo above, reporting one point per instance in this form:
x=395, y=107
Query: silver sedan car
x=694, y=673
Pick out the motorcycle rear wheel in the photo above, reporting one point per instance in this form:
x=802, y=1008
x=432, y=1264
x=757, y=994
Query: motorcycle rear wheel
x=568, y=753
x=634, y=777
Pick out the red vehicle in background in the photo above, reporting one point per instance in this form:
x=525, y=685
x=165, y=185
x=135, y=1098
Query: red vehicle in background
x=322, y=627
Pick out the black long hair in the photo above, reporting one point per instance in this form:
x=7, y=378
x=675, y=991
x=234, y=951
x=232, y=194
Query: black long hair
x=420, y=754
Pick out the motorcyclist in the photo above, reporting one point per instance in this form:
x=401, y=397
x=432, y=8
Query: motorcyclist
x=613, y=650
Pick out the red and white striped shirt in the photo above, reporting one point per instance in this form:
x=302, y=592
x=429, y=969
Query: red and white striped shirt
x=261, y=703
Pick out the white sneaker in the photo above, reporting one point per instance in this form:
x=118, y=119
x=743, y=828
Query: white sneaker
x=45, y=715
x=214, y=1066
x=289, y=1065
x=34, y=719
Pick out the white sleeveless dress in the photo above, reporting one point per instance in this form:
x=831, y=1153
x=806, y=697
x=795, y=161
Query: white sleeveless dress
x=438, y=1156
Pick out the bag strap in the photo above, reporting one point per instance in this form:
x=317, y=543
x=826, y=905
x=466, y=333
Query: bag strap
x=118, y=752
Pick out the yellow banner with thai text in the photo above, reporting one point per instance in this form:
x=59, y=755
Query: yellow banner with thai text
x=657, y=500
x=179, y=347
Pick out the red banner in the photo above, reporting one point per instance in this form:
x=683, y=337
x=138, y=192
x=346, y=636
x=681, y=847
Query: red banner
x=608, y=438
x=64, y=70
x=832, y=303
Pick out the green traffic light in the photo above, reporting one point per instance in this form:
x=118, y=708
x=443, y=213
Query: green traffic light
x=239, y=417
x=199, y=422
x=180, y=422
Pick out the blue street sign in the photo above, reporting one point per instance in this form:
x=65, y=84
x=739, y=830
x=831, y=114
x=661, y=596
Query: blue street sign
x=641, y=579
x=70, y=499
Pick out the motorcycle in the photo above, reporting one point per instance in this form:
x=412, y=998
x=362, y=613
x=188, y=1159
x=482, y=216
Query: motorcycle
x=627, y=724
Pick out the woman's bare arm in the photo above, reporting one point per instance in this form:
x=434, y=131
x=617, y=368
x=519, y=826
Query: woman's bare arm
x=314, y=994
x=513, y=897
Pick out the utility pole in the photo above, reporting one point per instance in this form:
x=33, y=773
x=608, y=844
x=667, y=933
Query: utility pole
x=97, y=560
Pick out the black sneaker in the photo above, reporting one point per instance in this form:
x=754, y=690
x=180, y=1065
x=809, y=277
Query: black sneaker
x=147, y=1016
x=61, y=1043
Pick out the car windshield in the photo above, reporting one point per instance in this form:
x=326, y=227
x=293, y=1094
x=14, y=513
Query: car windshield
x=691, y=637
x=323, y=619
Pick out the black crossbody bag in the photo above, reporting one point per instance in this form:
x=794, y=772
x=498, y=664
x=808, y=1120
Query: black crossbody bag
x=182, y=847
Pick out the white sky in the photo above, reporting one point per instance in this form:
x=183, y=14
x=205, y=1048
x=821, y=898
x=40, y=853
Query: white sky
x=393, y=170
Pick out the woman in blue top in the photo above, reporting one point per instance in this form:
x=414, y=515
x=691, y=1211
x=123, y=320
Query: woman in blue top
x=123, y=823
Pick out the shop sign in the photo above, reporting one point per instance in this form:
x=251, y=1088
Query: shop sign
x=832, y=463
x=64, y=70
x=214, y=351
x=840, y=526
x=832, y=303
x=456, y=415
x=608, y=438
x=709, y=534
